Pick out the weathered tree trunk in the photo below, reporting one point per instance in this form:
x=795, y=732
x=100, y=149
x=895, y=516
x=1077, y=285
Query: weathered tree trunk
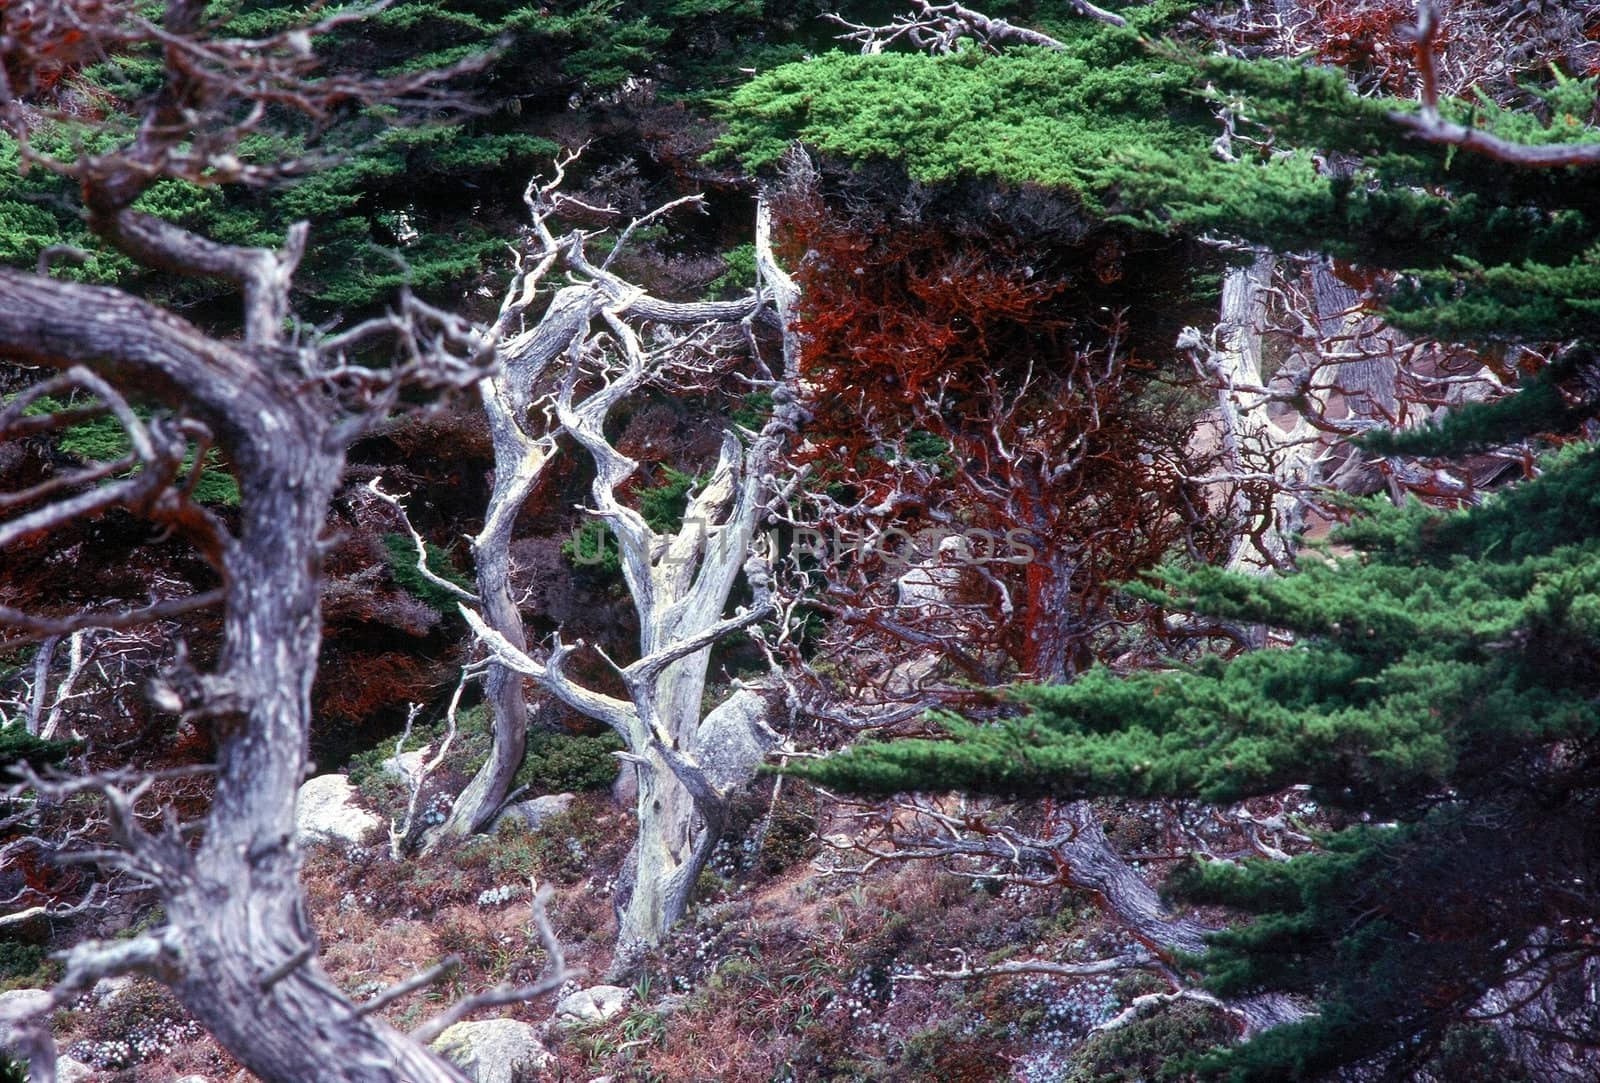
x=1269, y=450
x=240, y=914
x=238, y=948
x=675, y=840
x=687, y=761
x=1365, y=370
x=523, y=445
x=1054, y=648
x=519, y=458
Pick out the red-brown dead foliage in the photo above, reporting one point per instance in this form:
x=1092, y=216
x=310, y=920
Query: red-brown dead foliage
x=978, y=386
x=353, y=686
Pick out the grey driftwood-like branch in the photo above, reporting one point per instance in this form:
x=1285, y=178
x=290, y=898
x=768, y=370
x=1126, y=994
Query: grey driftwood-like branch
x=1429, y=126
x=541, y=360
x=598, y=342
x=282, y=402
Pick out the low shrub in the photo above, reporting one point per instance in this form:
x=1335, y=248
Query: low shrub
x=568, y=762
x=1159, y=1046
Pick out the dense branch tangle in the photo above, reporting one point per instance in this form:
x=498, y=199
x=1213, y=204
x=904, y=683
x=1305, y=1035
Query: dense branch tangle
x=282, y=403
x=560, y=373
x=939, y=28
x=597, y=342
x=1283, y=434
x=1067, y=850
x=968, y=391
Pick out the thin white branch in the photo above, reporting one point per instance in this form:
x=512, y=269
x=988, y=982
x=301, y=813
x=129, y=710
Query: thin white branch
x=556, y=975
x=453, y=589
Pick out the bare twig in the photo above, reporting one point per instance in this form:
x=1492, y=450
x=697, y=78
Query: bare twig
x=556, y=974
x=1429, y=126
x=453, y=589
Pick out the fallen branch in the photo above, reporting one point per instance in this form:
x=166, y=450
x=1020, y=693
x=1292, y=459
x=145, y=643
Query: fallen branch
x=556, y=976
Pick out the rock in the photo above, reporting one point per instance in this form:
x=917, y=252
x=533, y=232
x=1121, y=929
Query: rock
x=192, y=1079
x=16, y=1006
x=326, y=812
x=21, y=1003
x=496, y=1051
x=533, y=814
x=107, y=991
x=733, y=739
x=73, y=1071
x=595, y=1004
x=625, y=790
x=31, y=925
x=933, y=584
x=407, y=765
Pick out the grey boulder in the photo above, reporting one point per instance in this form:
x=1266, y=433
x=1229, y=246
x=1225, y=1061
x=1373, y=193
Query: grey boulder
x=326, y=811
x=496, y=1051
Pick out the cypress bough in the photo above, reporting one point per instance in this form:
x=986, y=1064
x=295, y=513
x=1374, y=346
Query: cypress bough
x=1442, y=680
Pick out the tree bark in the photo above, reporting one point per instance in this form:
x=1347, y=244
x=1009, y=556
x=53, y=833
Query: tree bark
x=241, y=914
x=1054, y=649
x=521, y=451
x=1283, y=449
x=238, y=948
x=519, y=458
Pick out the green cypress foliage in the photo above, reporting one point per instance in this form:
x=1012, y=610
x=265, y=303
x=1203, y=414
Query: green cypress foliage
x=1442, y=697
x=1492, y=251
x=401, y=554
x=426, y=205
x=1443, y=680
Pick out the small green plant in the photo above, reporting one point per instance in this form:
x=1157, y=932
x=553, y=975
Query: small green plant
x=643, y=1027
x=472, y=940
x=925, y=447
x=753, y=410
x=709, y=887
x=18, y=746
x=664, y=505
x=568, y=762
x=386, y=791
x=591, y=546
x=1157, y=1047
x=402, y=560
x=739, y=275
